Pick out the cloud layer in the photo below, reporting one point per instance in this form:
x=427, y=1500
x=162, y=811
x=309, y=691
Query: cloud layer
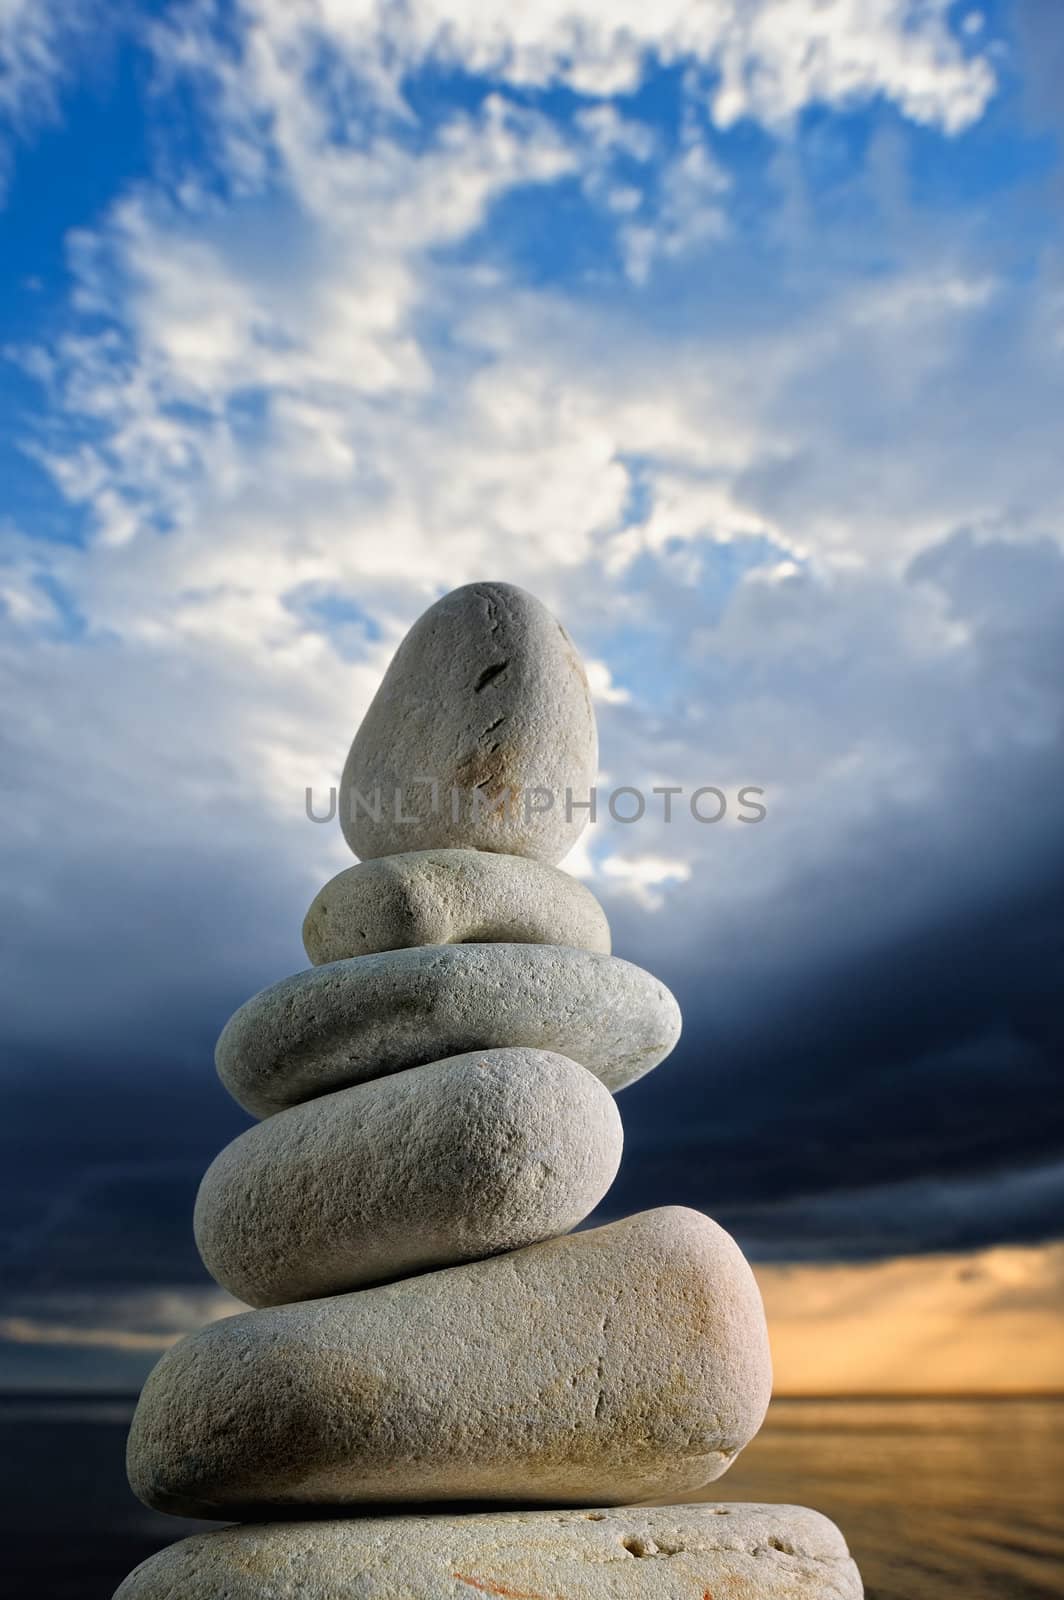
x=664, y=317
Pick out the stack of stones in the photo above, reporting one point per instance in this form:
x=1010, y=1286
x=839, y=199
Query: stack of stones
x=437, y=1116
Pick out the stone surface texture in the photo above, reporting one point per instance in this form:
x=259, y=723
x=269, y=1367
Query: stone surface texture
x=439, y=1164
x=625, y=1363
x=687, y=1552
x=345, y=1023
x=487, y=696
x=451, y=897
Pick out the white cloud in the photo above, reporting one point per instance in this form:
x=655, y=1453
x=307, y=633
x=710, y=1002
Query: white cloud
x=644, y=877
x=690, y=211
x=269, y=391
x=783, y=54
x=764, y=59
x=38, y=39
x=515, y=452
x=603, y=688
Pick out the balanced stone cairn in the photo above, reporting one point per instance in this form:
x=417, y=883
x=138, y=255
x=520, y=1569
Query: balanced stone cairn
x=437, y=1116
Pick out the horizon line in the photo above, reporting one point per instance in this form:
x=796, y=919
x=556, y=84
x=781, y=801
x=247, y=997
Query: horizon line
x=71, y=1392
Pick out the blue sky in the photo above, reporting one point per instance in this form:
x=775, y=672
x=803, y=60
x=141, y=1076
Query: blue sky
x=736, y=333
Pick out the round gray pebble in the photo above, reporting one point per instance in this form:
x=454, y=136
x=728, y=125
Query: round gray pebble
x=349, y=1021
x=486, y=698
x=440, y=1164
x=451, y=897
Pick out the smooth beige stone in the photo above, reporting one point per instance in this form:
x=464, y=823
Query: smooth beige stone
x=344, y=1023
x=440, y=1164
x=451, y=897
x=486, y=696
x=692, y=1552
x=625, y=1363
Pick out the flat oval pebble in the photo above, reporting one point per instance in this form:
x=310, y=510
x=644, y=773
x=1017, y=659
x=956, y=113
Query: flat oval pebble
x=344, y=1023
x=619, y=1364
x=486, y=698
x=440, y=1164
x=451, y=897
x=690, y=1552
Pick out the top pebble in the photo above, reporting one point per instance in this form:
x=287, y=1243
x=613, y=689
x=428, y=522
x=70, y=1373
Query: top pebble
x=481, y=726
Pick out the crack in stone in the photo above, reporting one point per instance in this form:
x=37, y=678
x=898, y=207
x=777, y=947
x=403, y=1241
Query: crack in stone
x=600, y=1365
x=489, y=674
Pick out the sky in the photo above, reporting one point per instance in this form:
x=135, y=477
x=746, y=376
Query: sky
x=735, y=332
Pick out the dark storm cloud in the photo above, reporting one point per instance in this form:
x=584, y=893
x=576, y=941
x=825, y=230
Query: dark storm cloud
x=825, y=1119
x=893, y=1018
x=906, y=1099
x=102, y=1157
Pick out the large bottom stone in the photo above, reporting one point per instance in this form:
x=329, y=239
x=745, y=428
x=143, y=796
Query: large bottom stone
x=625, y=1363
x=691, y=1552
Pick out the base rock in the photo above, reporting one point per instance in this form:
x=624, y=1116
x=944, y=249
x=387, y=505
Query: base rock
x=688, y=1552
